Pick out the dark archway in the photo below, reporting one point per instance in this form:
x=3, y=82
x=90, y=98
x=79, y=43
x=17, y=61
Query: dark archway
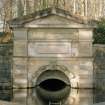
x=53, y=85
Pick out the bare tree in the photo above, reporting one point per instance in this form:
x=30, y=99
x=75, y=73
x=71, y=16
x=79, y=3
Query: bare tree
x=88, y=8
x=5, y=12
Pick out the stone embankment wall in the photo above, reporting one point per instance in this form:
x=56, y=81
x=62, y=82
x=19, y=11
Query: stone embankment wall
x=5, y=64
x=99, y=65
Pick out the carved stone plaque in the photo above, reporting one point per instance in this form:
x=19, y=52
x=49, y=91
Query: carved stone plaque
x=49, y=48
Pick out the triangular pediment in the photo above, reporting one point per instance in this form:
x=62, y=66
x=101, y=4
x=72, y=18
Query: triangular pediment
x=52, y=17
x=53, y=20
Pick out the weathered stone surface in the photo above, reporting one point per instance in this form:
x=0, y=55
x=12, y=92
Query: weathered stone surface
x=56, y=20
x=20, y=34
x=49, y=48
x=5, y=65
x=53, y=34
x=75, y=49
x=20, y=48
x=85, y=34
x=53, y=40
x=99, y=65
x=75, y=73
x=85, y=49
x=20, y=96
x=19, y=72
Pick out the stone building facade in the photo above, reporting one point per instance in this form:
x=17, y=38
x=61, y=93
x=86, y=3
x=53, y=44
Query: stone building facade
x=6, y=46
x=52, y=39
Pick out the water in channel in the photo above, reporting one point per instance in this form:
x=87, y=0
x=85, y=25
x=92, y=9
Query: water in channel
x=76, y=97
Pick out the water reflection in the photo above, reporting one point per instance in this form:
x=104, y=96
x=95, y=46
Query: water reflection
x=76, y=97
x=99, y=96
x=6, y=94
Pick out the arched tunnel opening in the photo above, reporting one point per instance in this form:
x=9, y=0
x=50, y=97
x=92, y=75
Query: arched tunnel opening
x=53, y=85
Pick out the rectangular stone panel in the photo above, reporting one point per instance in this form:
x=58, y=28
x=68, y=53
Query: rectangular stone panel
x=86, y=65
x=20, y=48
x=86, y=83
x=85, y=49
x=86, y=76
x=20, y=34
x=75, y=49
x=20, y=96
x=85, y=34
x=51, y=34
x=49, y=48
x=19, y=72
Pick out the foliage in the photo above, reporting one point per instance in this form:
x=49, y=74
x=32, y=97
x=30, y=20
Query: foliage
x=99, y=33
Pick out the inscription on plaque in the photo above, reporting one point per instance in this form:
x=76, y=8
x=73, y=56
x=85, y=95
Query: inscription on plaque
x=51, y=48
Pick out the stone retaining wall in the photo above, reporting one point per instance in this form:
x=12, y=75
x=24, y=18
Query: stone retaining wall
x=99, y=65
x=5, y=64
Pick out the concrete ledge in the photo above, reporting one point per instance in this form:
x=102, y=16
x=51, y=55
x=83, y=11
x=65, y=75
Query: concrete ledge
x=8, y=103
x=101, y=103
x=12, y=103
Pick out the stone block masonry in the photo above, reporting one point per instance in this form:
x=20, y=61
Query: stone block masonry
x=52, y=39
x=6, y=65
x=99, y=66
